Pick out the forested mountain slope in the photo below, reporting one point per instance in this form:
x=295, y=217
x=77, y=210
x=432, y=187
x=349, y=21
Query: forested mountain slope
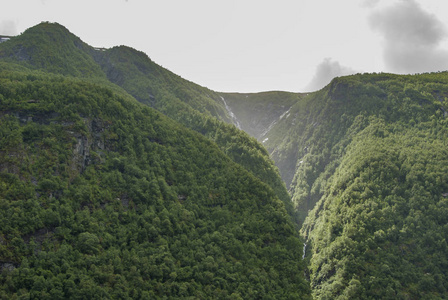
x=193, y=106
x=104, y=197
x=371, y=179
x=108, y=196
x=52, y=48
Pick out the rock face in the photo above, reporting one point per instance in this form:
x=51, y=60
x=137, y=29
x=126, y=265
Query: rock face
x=7, y=266
x=86, y=143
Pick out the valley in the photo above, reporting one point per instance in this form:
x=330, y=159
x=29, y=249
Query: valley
x=120, y=179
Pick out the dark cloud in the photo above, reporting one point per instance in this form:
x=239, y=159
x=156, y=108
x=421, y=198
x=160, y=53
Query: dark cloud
x=325, y=72
x=8, y=27
x=412, y=37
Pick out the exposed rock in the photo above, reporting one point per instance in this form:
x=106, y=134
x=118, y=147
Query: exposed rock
x=44, y=118
x=39, y=235
x=124, y=199
x=85, y=144
x=7, y=266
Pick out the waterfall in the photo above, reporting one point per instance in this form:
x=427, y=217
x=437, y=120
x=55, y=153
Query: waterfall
x=304, y=250
x=232, y=115
x=275, y=122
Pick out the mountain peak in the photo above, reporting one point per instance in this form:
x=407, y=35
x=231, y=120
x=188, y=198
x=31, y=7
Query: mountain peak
x=52, y=47
x=48, y=27
x=52, y=33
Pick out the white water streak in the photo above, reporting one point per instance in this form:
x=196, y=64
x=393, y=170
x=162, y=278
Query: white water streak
x=275, y=122
x=232, y=115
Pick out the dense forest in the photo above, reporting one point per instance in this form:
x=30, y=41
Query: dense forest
x=120, y=179
x=370, y=183
x=105, y=197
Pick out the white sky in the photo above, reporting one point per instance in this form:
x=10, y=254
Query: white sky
x=255, y=45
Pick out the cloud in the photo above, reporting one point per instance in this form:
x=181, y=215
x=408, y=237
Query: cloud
x=369, y=3
x=411, y=38
x=325, y=72
x=8, y=27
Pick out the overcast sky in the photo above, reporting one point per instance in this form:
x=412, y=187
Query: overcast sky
x=255, y=45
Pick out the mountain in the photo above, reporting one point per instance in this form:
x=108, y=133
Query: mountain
x=52, y=48
x=103, y=196
x=365, y=163
x=257, y=113
x=371, y=184
x=193, y=106
x=120, y=179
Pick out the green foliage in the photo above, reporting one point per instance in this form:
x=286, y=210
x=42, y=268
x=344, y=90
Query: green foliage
x=50, y=47
x=150, y=84
x=369, y=164
x=103, y=197
x=383, y=218
x=309, y=142
x=193, y=106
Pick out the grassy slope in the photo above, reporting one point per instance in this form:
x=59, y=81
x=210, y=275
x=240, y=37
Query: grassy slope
x=257, y=113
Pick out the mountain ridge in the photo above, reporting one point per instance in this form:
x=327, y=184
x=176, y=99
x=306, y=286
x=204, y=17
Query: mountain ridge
x=105, y=197
x=368, y=156
x=133, y=71
x=364, y=160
